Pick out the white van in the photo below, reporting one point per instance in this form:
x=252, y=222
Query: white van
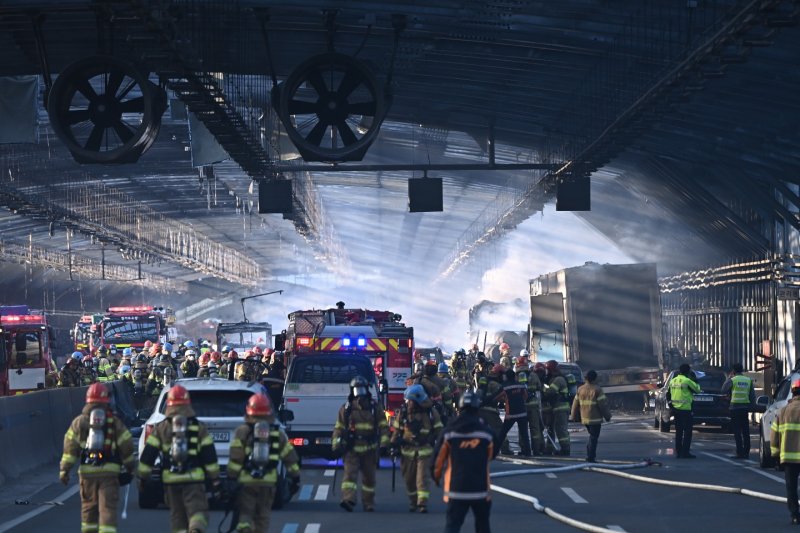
x=317, y=385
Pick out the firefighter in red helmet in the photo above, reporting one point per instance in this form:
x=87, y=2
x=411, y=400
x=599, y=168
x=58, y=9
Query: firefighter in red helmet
x=257, y=447
x=102, y=446
x=187, y=458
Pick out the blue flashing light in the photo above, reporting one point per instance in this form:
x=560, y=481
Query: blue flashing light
x=346, y=341
x=362, y=342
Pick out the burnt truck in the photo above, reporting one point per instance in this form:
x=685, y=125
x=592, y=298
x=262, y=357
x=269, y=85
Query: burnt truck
x=601, y=317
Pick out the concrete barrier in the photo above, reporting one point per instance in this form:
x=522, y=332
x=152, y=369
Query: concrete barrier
x=32, y=428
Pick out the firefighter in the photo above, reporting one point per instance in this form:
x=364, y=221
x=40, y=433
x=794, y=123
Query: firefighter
x=415, y=432
x=274, y=379
x=202, y=370
x=188, y=458
x=472, y=356
x=247, y=370
x=533, y=404
x=433, y=386
x=102, y=446
x=460, y=371
x=784, y=444
x=257, y=447
x=462, y=457
x=557, y=393
x=481, y=370
x=450, y=391
x=160, y=376
x=189, y=366
x=87, y=372
x=229, y=366
x=359, y=431
x=70, y=374
x=516, y=413
x=493, y=394
x=505, y=355
x=590, y=408
x=743, y=398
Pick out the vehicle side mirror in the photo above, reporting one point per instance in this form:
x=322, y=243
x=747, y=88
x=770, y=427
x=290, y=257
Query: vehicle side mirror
x=762, y=402
x=285, y=415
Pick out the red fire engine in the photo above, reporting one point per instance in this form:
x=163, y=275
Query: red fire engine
x=131, y=327
x=26, y=363
x=379, y=335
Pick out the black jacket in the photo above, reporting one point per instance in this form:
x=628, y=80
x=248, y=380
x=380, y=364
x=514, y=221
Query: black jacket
x=463, y=454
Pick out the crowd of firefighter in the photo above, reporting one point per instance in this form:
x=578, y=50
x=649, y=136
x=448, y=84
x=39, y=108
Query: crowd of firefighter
x=450, y=419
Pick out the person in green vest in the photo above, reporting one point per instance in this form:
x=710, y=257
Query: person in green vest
x=680, y=394
x=743, y=397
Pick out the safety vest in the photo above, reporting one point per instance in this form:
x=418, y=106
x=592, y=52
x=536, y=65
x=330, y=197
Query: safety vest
x=681, y=390
x=740, y=389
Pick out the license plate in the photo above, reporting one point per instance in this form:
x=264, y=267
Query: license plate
x=704, y=398
x=220, y=436
x=323, y=440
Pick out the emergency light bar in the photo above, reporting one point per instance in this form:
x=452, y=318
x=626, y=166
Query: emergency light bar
x=22, y=318
x=304, y=341
x=135, y=309
x=362, y=341
x=346, y=340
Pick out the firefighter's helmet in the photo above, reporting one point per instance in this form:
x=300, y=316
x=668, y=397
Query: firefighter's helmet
x=216, y=357
x=504, y=347
x=469, y=400
x=232, y=355
x=257, y=350
x=147, y=344
x=188, y=344
x=127, y=352
x=524, y=353
x=258, y=405
x=359, y=386
x=796, y=384
x=97, y=393
x=226, y=348
x=443, y=369
x=551, y=366
x=204, y=359
x=498, y=369
x=77, y=356
x=539, y=367
x=415, y=393
x=190, y=353
x=178, y=395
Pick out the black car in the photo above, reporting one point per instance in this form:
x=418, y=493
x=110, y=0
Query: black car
x=710, y=407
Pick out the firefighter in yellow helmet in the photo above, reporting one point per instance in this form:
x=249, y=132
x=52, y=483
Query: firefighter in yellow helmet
x=187, y=457
x=102, y=446
x=257, y=447
x=359, y=431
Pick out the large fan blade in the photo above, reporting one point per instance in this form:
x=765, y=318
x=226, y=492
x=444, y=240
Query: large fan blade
x=351, y=80
x=363, y=108
x=86, y=89
x=347, y=135
x=124, y=131
x=315, y=137
x=114, y=81
x=134, y=105
x=301, y=107
x=127, y=89
x=316, y=81
x=95, y=138
x=77, y=115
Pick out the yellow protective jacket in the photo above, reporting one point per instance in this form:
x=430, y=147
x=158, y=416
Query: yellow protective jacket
x=784, y=439
x=590, y=405
x=681, y=391
x=239, y=467
x=360, y=429
x=416, y=431
x=118, y=445
x=202, y=454
x=557, y=393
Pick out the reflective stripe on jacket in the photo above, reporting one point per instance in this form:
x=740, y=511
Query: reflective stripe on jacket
x=202, y=454
x=741, y=395
x=784, y=440
x=590, y=405
x=280, y=450
x=118, y=442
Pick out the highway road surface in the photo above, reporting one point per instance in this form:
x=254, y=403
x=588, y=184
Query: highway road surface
x=594, y=498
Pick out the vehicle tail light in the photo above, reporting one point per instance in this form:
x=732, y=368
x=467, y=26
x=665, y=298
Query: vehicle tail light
x=297, y=441
x=148, y=429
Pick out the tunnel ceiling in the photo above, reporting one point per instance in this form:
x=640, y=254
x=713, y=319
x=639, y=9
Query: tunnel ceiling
x=684, y=114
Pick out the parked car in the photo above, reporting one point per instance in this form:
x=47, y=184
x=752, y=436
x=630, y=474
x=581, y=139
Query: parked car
x=219, y=404
x=710, y=407
x=770, y=407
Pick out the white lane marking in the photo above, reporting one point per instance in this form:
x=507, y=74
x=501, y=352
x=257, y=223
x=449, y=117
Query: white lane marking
x=766, y=474
x=290, y=528
x=574, y=496
x=550, y=475
x=719, y=457
x=616, y=528
x=699, y=444
x=36, y=512
x=312, y=528
x=328, y=473
x=322, y=492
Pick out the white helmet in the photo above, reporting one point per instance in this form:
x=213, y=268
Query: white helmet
x=524, y=353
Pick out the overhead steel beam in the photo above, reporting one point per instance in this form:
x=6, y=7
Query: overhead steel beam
x=416, y=167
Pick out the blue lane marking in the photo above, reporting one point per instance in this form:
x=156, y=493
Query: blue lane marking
x=305, y=492
x=290, y=528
